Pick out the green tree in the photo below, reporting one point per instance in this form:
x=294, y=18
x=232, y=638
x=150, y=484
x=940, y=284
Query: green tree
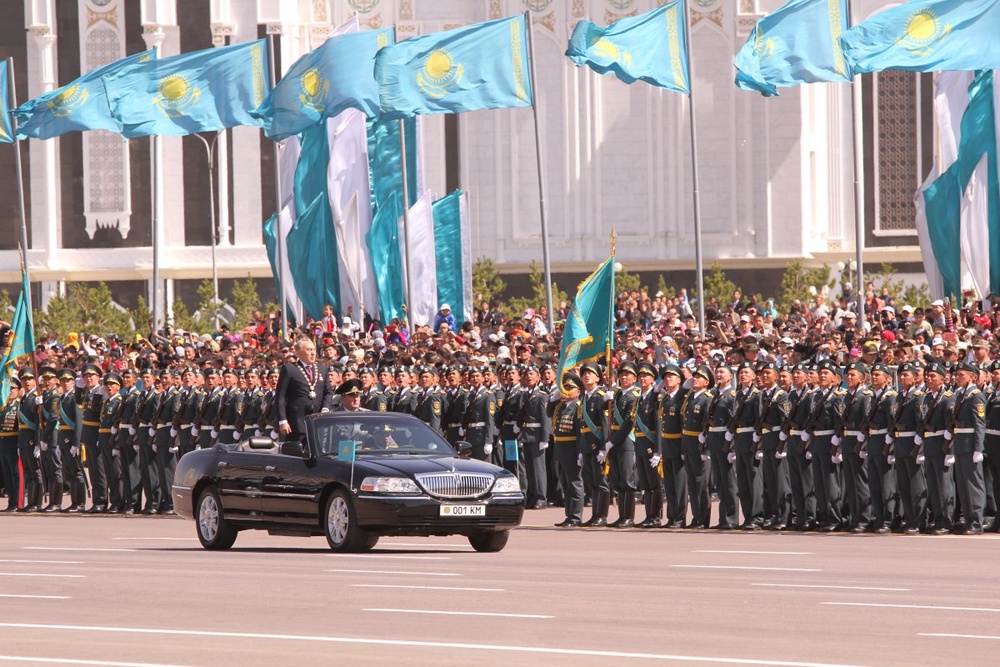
x=516, y=306
x=661, y=286
x=487, y=285
x=717, y=286
x=141, y=315
x=246, y=300
x=627, y=282
x=209, y=308
x=797, y=280
x=183, y=318
x=6, y=306
x=84, y=309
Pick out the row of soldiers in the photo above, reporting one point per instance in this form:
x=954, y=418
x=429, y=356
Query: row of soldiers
x=909, y=449
x=125, y=430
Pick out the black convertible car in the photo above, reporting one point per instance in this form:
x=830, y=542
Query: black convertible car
x=355, y=477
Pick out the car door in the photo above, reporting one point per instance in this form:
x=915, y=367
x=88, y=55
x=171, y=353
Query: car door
x=240, y=477
x=290, y=490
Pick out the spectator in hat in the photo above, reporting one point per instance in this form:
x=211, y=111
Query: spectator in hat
x=443, y=316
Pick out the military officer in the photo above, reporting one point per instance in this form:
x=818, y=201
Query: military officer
x=249, y=421
x=127, y=456
x=350, y=392
x=772, y=415
x=92, y=398
x=938, y=413
x=593, y=416
x=669, y=419
x=647, y=446
x=479, y=417
x=68, y=440
x=991, y=440
x=965, y=449
x=567, y=424
x=371, y=398
x=873, y=448
x=427, y=401
x=902, y=452
x=51, y=459
x=27, y=442
x=402, y=399
x=454, y=406
x=535, y=428
x=105, y=441
x=507, y=422
x=142, y=442
x=694, y=411
x=720, y=412
x=742, y=451
x=619, y=450
x=800, y=474
x=825, y=410
x=849, y=441
x=8, y=445
x=230, y=407
x=184, y=418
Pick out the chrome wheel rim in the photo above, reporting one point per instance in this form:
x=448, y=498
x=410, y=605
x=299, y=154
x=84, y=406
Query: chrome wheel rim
x=337, y=520
x=208, y=518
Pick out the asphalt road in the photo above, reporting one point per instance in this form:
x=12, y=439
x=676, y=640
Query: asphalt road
x=141, y=591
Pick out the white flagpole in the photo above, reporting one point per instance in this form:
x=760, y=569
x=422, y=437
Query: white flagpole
x=278, y=236
x=406, y=228
x=12, y=95
x=859, y=203
x=546, y=263
x=699, y=265
x=156, y=160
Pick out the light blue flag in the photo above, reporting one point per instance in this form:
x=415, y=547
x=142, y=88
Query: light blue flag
x=482, y=66
x=449, y=254
x=347, y=450
x=943, y=198
x=588, y=334
x=926, y=36
x=386, y=259
x=336, y=76
x=312, y=257
x=203, y=91
x=6, y=131
x=651, y=47
x=794, y=44
x=21, y=339
x=385, y=165
x=76, y=107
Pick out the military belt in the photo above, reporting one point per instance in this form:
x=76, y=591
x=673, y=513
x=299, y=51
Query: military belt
x=186, y=425
x=819, y=434
x=795, y=432
x=87, y=423
x=671, y=436
x=104, y=430
x=564, y=438
x=227, y=428
x=964, y=430
x=246, y=426
x=745, y=429
x=853, y=434
x=145, y=425
x=717, y=429
x=933, y=434
x=25, y=427
x=693, y=434
x=61, y=428
x=989, y=431
x=878, y=431
x=207, y=427
x=8, y=434
x=532, y=424
x=477, y=425
x=906, y=434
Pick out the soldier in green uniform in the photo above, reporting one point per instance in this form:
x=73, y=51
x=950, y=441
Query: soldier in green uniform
x=742, y=453
x=513, y=459
x=826, y=408
x=939, y=407
x=479, y=417
x=669, y=418
x=800, y=475
x=184, y=419
x=27, y=442
x=565, y=412
x=535, y=427
x=249, y=421
x=92, y=399
x=619, y=450
x=902, y=452
x=8, y=445
x=127, y=456
x=105, y=441
x=371, y=398
x=991, y=441
x=721, y=410
x=772, y=415
x=694, y=410
x=593, y=415
x=230, y=407
x=142, y=443
x=647, y=446
x=427, y=399
x=51, y=459
x=848, y=441
x=68, y=440
x=966, y=440
x=455, y=403
x=210, y=406
x=873, y=449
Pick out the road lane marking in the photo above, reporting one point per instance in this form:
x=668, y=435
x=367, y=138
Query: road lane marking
x=844, y=588
x=756, y=553
x=430, y=588
x=75, y=549
x=425, y=644
x=955, y=636
x=36, y=597
x=171, y=539
x=420, y=574
x=388, y=556
x=458, y=613
x=47, y=562
x=748, y=567
x=913, y=606
x=33, y=574
x=77, y=661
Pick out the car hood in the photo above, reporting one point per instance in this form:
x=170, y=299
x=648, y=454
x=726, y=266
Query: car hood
x=414, y=465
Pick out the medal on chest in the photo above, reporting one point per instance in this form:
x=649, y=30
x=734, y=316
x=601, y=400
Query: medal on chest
x=315, y=377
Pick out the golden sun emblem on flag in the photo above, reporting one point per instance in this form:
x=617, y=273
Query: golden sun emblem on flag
x=175, y=94
x=922, y=30
x=763, y=46
x=605, y=47
x=71, y=97
x=440, y=74
x=314, y=90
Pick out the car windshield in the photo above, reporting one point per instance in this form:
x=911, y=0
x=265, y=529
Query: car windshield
x=377, y=434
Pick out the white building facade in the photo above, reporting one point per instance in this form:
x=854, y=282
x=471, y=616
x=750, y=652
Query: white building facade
x=776, y=175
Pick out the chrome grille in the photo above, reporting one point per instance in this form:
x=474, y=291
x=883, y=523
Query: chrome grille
x=455, y=484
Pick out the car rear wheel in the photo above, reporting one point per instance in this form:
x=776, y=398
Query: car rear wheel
x=214, y=531
x=341, y=525
x=489, y=542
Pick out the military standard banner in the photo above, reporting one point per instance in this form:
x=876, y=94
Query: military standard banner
x=203, y=91
x=588, y=331
x=483, y=66
x=6, y=132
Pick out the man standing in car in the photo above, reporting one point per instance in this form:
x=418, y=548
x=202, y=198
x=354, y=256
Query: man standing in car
x=302, y=390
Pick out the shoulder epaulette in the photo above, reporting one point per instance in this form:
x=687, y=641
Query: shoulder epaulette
x=840, y=392
x=974, y=391
x=918, y=393
x=948, y=393
x=732, y=392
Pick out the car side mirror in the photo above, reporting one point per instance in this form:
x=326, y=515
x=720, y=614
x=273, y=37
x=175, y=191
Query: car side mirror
x=464, y=449
x=261, y=443
x=293, y=448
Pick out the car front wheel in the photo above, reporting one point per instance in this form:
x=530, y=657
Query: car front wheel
x=489, y=542
x=341, y=525
x=214, y=531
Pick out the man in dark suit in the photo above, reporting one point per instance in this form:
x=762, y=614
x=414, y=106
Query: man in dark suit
x=303, y=390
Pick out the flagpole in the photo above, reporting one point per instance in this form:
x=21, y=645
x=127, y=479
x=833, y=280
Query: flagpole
x=546, y=263
x=406, y=228
x=859, y=211
x=209, y=148
x=699, y=265
x=20, y=180
x=278, y=235
x=156, y=157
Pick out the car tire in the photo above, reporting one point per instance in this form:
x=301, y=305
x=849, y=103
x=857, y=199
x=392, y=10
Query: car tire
x=214, y=532
x=340, y=525
x=489, y=542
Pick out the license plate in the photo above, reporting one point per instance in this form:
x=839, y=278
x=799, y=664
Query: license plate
x=462, y=510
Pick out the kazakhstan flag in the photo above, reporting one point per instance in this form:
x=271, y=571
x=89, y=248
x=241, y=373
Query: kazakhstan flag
x=203, y=91
x=587, y=334
x=651, y=47
x=483, y=66
x=338, y=75
x=926, y=36
x=795, y=44
x=21, y=340
x=76, y=107
x=6, y=132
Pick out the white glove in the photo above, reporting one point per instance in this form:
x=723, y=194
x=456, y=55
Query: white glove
x=174, y=450
x=194, y=430
x=608, y=445
x=44, y=446
x=173, y=432
x=543, y=445
x=461, y=432
x=731, y=457
x=152, y=431
x=602, y=456
x=809, y=456
x=917, y=440
x=257, y=433
x=704, y=456
x=114, y=430
x=702, y=438
x=890, y=459
x=888, y=439
x=74, y=451
x=949, y=460
x=39, y=400
x=863, y=454
x=759, y=455
x=947, y=436
x=755, y=437
x=115, y=452
x=487, y=449
x=274, y=435
x=805, y=436
x=729, y=436
x=977, y=457
x=835, y=440
x=920, y=459
x=517, y=429
x=237, y=434
x=131, y=429
x=79, y=383
x=780, y=455
x=654, y=460
x=861, y=437
x=782, y=436
x=136, y=448
x=579, y=460
x=609, y=397
x=37, y=452
x=837, y=458
x=214, y=433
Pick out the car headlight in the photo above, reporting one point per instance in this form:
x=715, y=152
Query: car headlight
x=506, y=485
x=389, y=485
